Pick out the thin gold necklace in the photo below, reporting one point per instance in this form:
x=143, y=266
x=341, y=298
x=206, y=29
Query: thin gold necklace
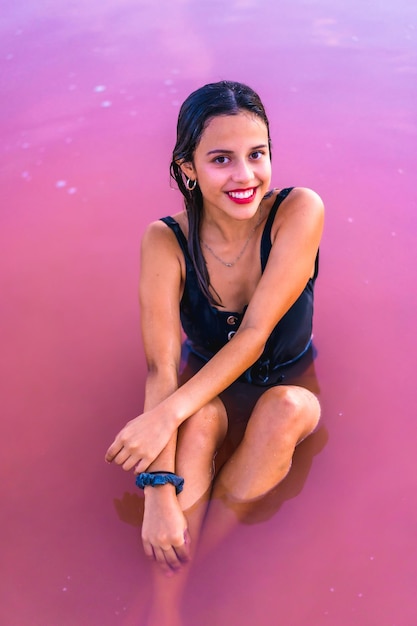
x=241, y=253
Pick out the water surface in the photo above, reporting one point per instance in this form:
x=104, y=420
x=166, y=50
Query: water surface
x=91, y=92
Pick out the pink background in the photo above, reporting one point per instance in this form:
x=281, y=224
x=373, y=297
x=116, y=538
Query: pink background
x=90, y=95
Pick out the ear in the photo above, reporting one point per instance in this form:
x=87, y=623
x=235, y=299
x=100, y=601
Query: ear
x=188, y=170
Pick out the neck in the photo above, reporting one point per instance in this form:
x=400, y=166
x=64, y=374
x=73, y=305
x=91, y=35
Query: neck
x=229, y=230
x=229, y=246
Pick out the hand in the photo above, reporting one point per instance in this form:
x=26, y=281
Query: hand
x=141, y=441
x=165, y=534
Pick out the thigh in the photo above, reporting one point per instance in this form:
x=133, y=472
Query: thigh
x=241, y=399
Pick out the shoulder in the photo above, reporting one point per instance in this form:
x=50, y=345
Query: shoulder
x=157, y=233
x=159, y=245
x=303, y=197
x=300, y=203
x=158, y=241
x=301, y=214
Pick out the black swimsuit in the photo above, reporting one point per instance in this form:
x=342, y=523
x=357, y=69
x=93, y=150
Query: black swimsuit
x=208, y=329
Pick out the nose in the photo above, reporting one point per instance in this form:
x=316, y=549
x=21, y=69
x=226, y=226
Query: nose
x=242, y=172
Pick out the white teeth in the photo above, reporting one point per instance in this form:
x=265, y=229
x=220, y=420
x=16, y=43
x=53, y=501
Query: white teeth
x=241, y=195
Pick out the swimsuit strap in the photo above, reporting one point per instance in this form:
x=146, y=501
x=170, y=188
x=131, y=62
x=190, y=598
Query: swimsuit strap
x=266, y=235
x=266, y=243
x=169, y=221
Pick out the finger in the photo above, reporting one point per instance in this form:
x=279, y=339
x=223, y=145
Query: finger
x=142, y=466
x=172, y=559
x=125, y=459
x=113, y=451
x=183, y=554
x=129, y=463
x=183, y=551
x=162, y=562
x=121, y=456
x=147, y=547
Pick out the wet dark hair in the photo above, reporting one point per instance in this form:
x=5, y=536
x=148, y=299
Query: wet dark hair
x=201, y=106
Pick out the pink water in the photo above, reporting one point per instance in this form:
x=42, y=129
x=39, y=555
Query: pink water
x=90, y=95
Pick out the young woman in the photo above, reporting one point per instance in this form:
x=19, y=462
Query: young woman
x=236, y=269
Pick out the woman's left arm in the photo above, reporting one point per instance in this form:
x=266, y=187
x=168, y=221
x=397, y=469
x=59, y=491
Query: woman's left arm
x=296, y=237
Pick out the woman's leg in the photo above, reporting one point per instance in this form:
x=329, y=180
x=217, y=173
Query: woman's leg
x=198, y=439
x=282, y=417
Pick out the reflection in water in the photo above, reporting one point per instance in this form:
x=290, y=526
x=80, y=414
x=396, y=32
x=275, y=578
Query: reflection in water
x=129, y=508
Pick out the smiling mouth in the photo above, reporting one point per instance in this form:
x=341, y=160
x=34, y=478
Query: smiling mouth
x=245, y=194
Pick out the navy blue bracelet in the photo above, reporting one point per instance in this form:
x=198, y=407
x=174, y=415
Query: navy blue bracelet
x=153, y=479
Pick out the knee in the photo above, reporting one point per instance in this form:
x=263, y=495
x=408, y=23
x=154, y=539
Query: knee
x=206, y=429
x=289, y=413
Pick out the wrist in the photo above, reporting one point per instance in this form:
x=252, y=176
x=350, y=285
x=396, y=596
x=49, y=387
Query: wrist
x=161, y=492
x=172, y=412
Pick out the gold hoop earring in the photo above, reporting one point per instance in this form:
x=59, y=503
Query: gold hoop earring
x=191, y=184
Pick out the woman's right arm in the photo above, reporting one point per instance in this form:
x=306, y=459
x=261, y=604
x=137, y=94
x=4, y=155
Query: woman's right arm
x=160, y=288
x=164, y=529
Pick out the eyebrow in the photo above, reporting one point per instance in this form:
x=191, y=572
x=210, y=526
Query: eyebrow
x=218, y=151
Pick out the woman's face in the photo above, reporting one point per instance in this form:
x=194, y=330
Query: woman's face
x=232, y=165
